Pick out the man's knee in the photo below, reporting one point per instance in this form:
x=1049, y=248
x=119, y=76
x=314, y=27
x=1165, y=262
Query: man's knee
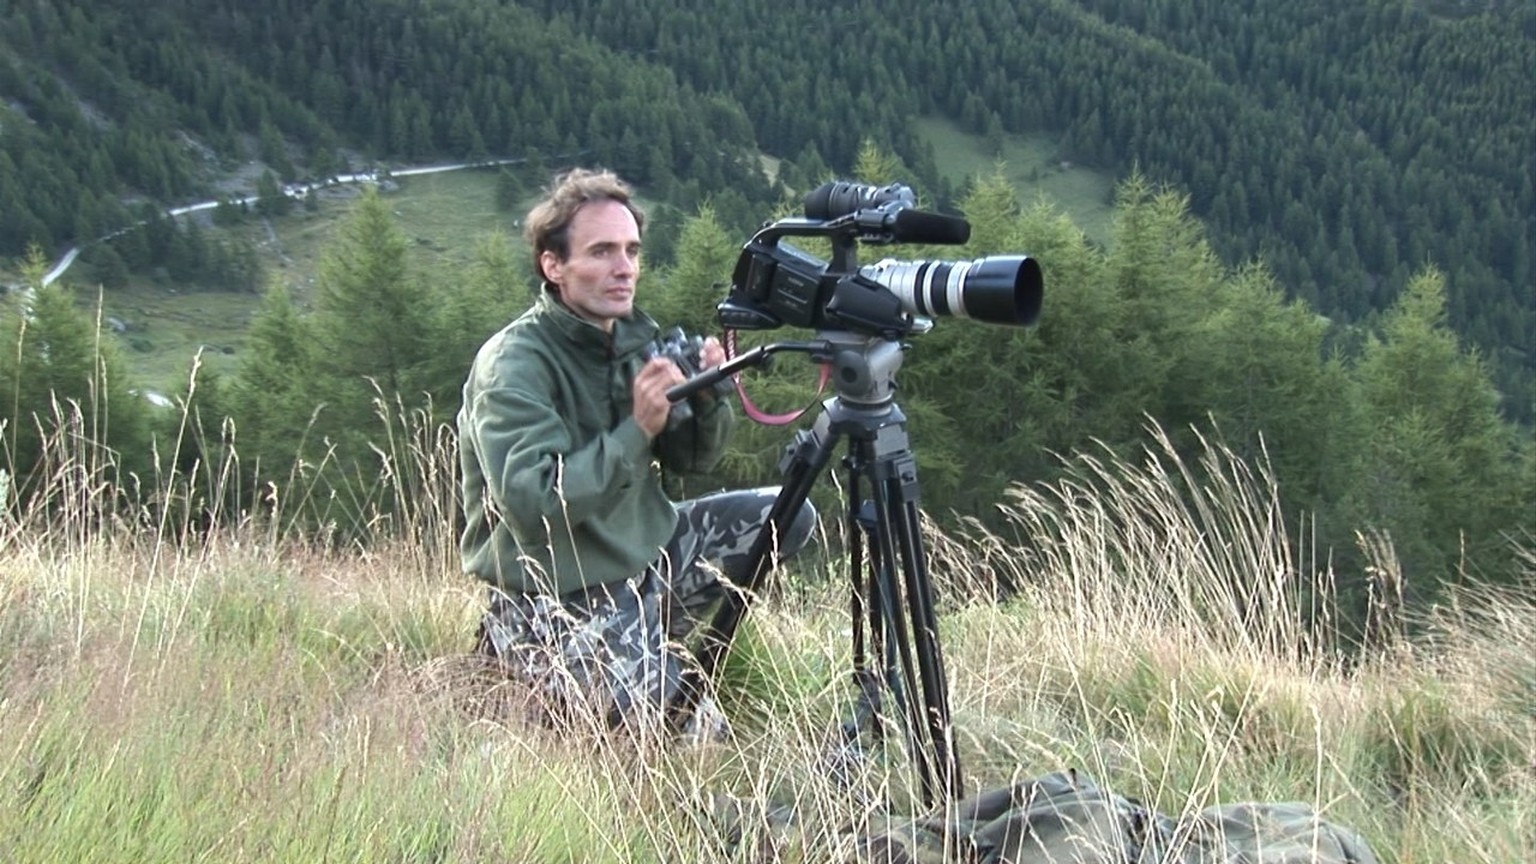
x=800, y=530
x=798, y=533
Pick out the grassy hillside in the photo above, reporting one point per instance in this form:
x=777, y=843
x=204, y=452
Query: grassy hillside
x=444, y=214
x=168, y=694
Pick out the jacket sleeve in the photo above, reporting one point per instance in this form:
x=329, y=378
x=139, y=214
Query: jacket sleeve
x=533, y=471
x=696, y=445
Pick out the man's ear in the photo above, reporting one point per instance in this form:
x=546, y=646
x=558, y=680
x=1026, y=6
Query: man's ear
x=550, y=265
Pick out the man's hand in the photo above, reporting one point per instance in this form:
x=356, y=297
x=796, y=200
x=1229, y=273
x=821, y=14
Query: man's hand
x=712, y=353
x=649, y=394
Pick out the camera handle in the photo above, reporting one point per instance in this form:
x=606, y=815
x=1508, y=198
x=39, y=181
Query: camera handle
x=755, y=357
x=865, y=415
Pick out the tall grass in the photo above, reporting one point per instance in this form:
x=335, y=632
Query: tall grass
x=180, y=690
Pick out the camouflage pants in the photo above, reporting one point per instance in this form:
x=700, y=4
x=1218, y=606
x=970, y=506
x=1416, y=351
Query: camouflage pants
x=616, y=651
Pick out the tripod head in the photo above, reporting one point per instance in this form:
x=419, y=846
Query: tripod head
x=864, y=368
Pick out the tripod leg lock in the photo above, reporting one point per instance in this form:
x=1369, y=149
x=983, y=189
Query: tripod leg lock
x=795, y=450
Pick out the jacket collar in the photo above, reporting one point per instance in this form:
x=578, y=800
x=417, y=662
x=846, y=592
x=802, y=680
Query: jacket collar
x=629, y=334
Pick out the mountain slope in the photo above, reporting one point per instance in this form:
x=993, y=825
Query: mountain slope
x=1345, y=145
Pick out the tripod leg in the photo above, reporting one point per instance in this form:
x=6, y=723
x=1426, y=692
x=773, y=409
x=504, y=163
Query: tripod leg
x=901, y=670
x=858, y=531
x=899, y=540
x=803, y=462
x=926, y=640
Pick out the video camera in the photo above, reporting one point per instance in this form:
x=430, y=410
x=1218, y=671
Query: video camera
x=777, y=284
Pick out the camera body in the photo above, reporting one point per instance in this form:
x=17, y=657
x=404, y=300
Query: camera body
x=688, y=353
x=776, y=284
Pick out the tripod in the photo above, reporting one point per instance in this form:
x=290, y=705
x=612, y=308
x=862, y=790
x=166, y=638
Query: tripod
x=894, y=599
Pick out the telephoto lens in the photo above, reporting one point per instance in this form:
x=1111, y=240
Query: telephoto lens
x=1001, y=289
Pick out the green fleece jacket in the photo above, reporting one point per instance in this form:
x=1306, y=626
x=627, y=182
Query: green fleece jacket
x=559, y=485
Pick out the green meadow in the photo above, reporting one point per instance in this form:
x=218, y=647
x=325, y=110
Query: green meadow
x=172, y=689
x=444, y=215
x=1033, y=165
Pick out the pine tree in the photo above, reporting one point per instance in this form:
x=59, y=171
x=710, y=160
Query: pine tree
x=273, y=395
x=1268, y=390
x=1168, y=278
x=373, y=315
x=111, y=270
x=1439, y=458
x=199, y=463
x=66, y=398
x=879, y=167
x=992, y=208
x=274, y=151
x=705, y=255
x=509, y=190
x=493, y=290
x=270, y=198
x=1089, y=380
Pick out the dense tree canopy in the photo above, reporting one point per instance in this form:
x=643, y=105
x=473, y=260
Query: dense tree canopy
x=1347, y=145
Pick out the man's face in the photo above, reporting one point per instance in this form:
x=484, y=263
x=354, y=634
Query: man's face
x=597, y=281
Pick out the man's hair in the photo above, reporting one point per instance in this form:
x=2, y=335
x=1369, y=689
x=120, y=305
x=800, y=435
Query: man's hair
x=547, y=227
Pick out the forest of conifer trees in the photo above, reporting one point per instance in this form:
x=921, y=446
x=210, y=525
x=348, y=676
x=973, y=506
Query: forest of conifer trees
x=1321, y=244
x=1345, y=146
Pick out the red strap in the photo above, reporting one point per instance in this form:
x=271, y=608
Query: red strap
x=752, y=410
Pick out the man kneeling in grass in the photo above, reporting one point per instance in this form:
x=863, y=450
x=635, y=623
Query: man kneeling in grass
x=594, y=573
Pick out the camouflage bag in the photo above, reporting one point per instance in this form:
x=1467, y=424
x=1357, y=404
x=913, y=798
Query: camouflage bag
x=1282, y=833
x=1064, y=818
